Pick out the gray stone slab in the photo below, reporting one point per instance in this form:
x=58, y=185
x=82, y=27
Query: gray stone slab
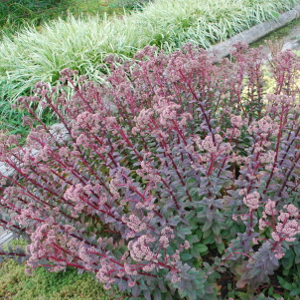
x=2, y=231
x=6, y=237
x=255, y=33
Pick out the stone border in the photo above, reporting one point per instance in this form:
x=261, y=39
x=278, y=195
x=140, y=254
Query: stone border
x=255, y=33
x=6, y=237
x=221, y=50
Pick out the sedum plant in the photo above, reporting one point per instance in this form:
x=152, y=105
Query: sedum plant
x=169, y=174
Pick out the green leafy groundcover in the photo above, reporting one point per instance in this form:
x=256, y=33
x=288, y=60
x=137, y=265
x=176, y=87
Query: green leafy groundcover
x=16, y=285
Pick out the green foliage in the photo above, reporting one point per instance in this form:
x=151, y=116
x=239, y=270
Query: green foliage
x=97, y=7
x=11, y=120
x=290, y=265
x=17, y=14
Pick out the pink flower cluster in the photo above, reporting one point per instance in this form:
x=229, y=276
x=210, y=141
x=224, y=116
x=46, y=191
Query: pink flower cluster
x=287, y=225
x=252, y=200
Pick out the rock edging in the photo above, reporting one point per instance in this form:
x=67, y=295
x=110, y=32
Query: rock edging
x=255, y=33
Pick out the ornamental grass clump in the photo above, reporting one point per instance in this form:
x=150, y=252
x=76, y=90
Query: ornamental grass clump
x=164, y=177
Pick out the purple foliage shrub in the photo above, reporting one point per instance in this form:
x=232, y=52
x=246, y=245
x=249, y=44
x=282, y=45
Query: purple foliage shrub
x=173, y=170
